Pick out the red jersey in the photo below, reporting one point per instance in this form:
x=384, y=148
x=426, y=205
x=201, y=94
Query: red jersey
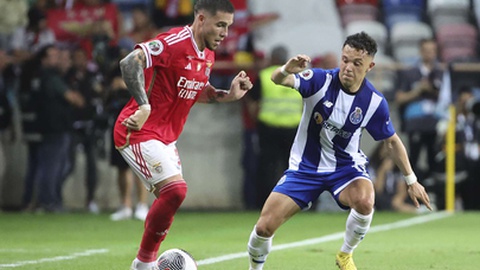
x=176, y=73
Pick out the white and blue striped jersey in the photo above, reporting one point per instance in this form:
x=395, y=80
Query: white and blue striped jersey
x=328, y=137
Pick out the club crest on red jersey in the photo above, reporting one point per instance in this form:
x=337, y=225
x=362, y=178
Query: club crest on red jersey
x=208, y=69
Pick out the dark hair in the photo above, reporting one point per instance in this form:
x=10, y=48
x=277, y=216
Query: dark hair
x=279, y=55
x=212, y=6
x=43, y=53
x=362, y=41
x=35, y=15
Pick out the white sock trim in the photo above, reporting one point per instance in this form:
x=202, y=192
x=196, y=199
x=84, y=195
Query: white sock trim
x=362, y=217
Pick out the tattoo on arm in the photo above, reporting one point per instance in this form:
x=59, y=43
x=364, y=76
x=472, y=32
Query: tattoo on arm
x=132, y=72
x=213, y=96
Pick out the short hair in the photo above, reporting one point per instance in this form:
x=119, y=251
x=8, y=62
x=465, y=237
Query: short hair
x=362, y=41
x=43, y=52
x=279, y=55
x=213, y=6
x=424, y=41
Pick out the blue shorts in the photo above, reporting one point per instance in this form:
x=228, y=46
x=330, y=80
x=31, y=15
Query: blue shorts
x=304, y=189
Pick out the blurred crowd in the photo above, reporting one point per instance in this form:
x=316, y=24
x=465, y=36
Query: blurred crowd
x=59, y=63
x=59, y=72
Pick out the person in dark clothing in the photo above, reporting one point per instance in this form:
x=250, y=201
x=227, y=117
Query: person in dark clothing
x=117, y=97
x=417, y=98
x=279, y=112
x=56, y=101
x=28, y=96
x=88, y=84
x=5, y=112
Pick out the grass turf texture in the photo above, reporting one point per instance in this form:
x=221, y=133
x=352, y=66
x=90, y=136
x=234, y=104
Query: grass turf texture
x=84, y=241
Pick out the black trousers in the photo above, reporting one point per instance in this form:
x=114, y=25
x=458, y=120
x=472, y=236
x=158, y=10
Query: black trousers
x=275, y=144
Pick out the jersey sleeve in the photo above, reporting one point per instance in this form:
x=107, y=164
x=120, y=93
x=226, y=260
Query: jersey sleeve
x=156, y=52
x=380, y=125
x=309, y=81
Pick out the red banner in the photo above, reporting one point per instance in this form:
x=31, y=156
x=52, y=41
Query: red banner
x=82, y=21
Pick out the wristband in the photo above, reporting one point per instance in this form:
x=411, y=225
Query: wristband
x=410, y=179
x=283, y=71
x=145, y=107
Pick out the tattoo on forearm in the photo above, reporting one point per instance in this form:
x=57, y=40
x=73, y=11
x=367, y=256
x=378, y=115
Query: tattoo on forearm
x=213, y=96
x=132, y=72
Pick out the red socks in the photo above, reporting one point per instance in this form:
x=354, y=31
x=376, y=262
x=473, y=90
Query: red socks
x=159, y=219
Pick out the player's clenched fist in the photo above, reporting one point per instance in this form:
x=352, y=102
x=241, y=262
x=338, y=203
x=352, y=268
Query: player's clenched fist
x=240, y=85
x=243, y=80
x=136, y=120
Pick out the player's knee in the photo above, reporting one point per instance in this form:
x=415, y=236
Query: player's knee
x=264, y=229
x=364, y=205
x=177, y=191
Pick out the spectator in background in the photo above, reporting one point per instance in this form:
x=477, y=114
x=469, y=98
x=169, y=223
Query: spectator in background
x=279, y=112
x=91, y=24
x=28, y=96
x=467, y=154
x=5, y=112
x=468, y=121
x=117, y=97
x=251, y=148
x=14, y=15
x=86, y=82
x=417, y=97
x=328, y=60
x=56, y=101
x=142, y=29
x=168, y=13
x=26, y=41
x=390, y=190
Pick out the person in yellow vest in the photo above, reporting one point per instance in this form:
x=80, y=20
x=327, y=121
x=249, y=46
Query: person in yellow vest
x=279, y=113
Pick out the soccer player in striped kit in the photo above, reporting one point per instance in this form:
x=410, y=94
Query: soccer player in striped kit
x=326, y=156
x=166, y=76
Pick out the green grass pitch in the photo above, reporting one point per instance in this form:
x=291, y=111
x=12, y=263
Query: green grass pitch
x=218, y=241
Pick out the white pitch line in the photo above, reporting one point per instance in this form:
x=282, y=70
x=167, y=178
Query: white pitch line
x=56, y=259
x=335, y=236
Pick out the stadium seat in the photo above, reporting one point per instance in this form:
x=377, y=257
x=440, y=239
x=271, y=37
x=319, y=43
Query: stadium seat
x=476, y=10
x=349, y=2
x=462, y=33
x=358, y=12
x=457, y=41
x=375, y=29
x=403, y=11
x=405, y=38
x=127, y=5
x=302, y=28
x=448, y=11
x=450, y=54
x=383, y=75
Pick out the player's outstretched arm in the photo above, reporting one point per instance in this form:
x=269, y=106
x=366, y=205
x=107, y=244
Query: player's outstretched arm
x=132, y=67
x=399, y=154
x=239, y=87
x=283, y=75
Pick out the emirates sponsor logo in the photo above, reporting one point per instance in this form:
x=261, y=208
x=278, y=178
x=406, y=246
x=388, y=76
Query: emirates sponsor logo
x=189, y=88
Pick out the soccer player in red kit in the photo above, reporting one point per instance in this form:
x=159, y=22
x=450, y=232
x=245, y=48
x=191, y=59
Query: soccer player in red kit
x=166, y=76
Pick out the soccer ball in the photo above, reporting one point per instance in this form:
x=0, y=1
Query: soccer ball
x=176, y=259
